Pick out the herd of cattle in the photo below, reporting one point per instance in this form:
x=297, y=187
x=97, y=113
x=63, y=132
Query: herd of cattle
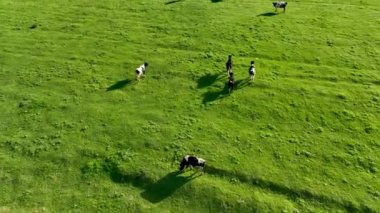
x=196, y=162
x=193, y=161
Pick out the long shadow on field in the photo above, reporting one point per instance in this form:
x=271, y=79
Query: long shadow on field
x=207, y=80
x=211, y=96
x=137, y=179
x=216, y=1
x=241, y=83
x=166, y=186
x=119, y=85
x=154, y=191
x=268, y=14
x=286, y=190
x=172, y=2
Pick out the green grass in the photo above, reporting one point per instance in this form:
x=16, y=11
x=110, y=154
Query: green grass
x=79, y=134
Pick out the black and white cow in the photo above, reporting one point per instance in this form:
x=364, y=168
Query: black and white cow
x=141, y=70
x=192, y=161
x=280, y=4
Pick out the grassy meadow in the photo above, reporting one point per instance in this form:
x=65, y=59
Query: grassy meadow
x=79, y=134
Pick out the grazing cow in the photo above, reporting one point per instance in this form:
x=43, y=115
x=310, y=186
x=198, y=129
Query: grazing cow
x=229, y=65
x=231, y=83
x=252, y=71
x=192, y=161
x=141, y=70
x=280, y=4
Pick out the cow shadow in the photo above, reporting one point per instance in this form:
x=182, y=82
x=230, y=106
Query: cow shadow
x=211, y=96
x=241, y=83
x=119, y=85
x=166, y=186
x=216, y=1
x=268, y=14
x=172, y=2
x=283, y=189
x=154, y=191
x=137, y=179
x=207, y=80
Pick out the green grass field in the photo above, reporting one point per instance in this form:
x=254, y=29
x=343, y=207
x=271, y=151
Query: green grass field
x=78, y=134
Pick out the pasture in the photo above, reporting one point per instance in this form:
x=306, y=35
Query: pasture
x=78, y=134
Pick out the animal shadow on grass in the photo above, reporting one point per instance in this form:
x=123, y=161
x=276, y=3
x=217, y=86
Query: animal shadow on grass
x=154, y=191
x=166, y=186
x=137, y=179
x=216, y=1
x=268, y=14
x=240, y=84
x=290, y=192
x=172, y=2
x=211, y=96
x=119, y=85
x=207, y=80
